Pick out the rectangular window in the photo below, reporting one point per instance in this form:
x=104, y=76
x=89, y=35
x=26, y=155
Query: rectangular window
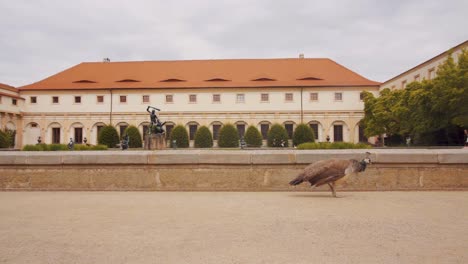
x=403, y=84
x=33, y=99
x=216, y=129
x=169, y=98
x=288, y=97
x=14, y=101
x=123, y=98
x=241, y=130
x=315, y=129
x=98, y=130
x=314, y=96
x=431, y=73
x=216, y=98
x=169, y=130
x=264, y=97
x=78, y=135
x=56, y=135
x=289, y=129
x=264, y=130
x=146, y=98
x=100, y=98
x=416, y=78
x=55, y=99
x=338, y=133
x=192, y=131
x=338, y=96
x=77, y=99
x=192, y=98
x=240, y=98
x=122, y=130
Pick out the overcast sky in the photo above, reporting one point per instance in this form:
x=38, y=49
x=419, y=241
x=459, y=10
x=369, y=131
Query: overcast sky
x=378, y=40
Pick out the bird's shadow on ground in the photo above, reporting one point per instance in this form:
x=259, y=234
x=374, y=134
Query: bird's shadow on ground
x=318, y=195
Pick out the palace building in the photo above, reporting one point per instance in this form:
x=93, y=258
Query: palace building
x=78, y=101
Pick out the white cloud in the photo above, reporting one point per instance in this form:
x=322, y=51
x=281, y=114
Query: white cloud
x=377, y=39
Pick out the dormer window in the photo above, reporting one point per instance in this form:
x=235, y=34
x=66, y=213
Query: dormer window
x=172, y=80
x=263, y=79
x=84, y=81
x=128, y=80
x=217, y=80
x=309, y=78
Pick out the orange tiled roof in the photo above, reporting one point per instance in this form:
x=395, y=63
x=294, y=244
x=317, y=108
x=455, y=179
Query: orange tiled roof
x=8, y=87
x=298, y=72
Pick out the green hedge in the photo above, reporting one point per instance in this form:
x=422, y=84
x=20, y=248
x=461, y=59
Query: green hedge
x=276, y=135
x=303, y=134
x=203, y=138
x=228, y=137
x=252, y=137
x=333, y=145
x=62, y=147
x=134, y=137
x=108, y=136
x=180, y=134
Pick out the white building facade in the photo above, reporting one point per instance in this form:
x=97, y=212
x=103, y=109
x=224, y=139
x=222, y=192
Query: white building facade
x=77, y=102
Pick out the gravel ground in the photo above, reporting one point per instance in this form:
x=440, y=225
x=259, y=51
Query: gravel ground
x=233, y=227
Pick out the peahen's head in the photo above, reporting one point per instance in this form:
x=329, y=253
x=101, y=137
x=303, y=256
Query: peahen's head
x=364, y=162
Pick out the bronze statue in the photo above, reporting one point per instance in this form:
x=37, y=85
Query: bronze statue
x=156, y=126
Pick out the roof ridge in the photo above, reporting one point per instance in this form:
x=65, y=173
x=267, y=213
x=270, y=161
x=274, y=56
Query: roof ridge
x=199, y=60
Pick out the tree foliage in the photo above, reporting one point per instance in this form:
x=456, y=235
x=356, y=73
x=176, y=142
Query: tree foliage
x=203, y=138
x=303, y=134
x=277, y=136
x=228, y=137
x=134, y=137
x=252, y=137
x=4, y=141
x=108, y=136
x=180, y=134
x=430, y=112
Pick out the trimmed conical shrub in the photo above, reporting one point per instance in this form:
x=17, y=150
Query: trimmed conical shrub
x=4, y=142
x=228, y=137
x=303, y=134
x=277, y=136
x=108, y=136
x=134, y=137
x=252, y=137
x=180, y=134
x=203, y=138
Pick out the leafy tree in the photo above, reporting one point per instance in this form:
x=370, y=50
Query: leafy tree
x=108, y=136
x=228, y=137
x=303, y=134
x=203, y=138
x=180, y=134
x=430, y=112
x=277, y=136
x=134, y=137
x=252, y=137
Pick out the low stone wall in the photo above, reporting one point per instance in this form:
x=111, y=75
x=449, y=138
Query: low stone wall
x=226, y=170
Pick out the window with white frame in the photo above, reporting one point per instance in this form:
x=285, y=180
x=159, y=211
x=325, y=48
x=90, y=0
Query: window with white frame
x=288, y=97
x=100, y=98
x=240, y=98
x=169, y=98
x=146, y=98
x=338, y=96
x=192, y=98
x=264, y=97
x=314, y=96
x=216, y=98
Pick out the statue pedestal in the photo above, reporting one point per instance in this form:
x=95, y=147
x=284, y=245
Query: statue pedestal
x=155, y=141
